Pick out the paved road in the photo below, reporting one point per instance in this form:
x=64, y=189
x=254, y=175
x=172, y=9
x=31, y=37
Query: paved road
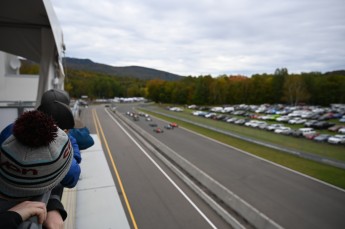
x=290, y=199
x=154, y=201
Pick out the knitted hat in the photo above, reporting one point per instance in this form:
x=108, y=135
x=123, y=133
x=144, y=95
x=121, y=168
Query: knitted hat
x=60, y=112
x=55, y=95
x=35, y=158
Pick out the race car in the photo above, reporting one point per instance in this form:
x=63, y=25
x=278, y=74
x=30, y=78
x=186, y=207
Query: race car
x=173, y=124
x=158, y=130
x=168, y=127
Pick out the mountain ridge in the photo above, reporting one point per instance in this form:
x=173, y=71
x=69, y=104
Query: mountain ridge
x=139, y=72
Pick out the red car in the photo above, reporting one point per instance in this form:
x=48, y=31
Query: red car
x=173, y=124
x=158, y=130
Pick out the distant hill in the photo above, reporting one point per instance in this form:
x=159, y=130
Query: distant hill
x=337, y=72
x=130, y=71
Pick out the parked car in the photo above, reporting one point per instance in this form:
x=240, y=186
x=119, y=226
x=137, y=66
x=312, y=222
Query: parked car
x=311, y=136
x=283, y=130
x=326, y=116
x=342, y=119
x=210, y=115
x=303, y=132
x=258, y=124
x=322, y=138
x=310, y=123
x=274, y=126
x=307, y=131
x=297, y=121
x=220, y=117
x=283, y=119
x=335, y=128
x=337, y=139
x=177, y=109
x=341, y=130
x=233, y=119
x=241, y=121
x=251, y=123
x=322, y=125
x=199, y=113
x=262, y=126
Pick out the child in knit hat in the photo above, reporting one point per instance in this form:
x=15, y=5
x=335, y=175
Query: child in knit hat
x=63, y=118
x=33, y=160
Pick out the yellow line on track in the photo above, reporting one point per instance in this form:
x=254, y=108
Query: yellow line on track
x=100, y=132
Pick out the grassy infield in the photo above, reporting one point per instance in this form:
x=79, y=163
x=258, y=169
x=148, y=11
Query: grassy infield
x=329, y=174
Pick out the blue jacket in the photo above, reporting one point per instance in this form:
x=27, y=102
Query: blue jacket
x=82, y=136
x=72, y=176
x=75, y=146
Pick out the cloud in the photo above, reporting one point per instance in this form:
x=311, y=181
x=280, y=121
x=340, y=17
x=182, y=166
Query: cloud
x=190, y=37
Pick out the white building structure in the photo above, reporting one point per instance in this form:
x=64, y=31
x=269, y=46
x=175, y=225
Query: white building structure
x=30, y=30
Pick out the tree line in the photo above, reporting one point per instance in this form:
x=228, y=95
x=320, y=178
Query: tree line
x=280, y=87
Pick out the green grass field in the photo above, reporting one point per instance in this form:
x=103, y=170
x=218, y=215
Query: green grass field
x=329, y=174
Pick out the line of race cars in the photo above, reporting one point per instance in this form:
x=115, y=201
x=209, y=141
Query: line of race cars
x=135, y=117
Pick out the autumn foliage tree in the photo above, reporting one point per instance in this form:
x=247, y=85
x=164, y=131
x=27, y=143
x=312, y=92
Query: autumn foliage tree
x=294, y=90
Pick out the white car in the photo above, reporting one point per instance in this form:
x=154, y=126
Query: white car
x=274, y=126
x=297, y=121
x=337, y=139
x=283, y=119
x=177, y=109
x=259, y=123
x=199, y=113
x=283, y=130
x=342, y=130
x=306, y=131
x=210, y=115
x=251, y=123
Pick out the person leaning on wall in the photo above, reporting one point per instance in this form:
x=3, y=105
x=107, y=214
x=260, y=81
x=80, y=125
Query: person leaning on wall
x=63, y=116
x=34, y=160
x=79, y=133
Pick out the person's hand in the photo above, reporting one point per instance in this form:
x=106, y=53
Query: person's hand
x=53, y=220
x=28, y=209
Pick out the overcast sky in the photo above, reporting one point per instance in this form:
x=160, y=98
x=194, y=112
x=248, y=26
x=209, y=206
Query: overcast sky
x=200, y=37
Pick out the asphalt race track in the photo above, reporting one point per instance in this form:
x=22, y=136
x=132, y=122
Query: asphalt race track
x=288, y=198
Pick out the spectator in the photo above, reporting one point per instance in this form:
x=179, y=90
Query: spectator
x=60, y=112
x=33, y=161
x=56, y=212
x=63, y=117
x=55, y=95
x=35, y=158
x=16, y=215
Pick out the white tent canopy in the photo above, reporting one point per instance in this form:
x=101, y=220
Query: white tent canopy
x=30, y=29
